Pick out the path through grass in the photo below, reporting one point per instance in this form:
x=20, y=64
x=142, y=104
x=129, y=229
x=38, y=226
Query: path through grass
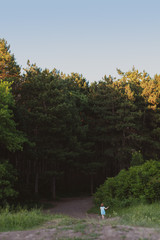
x=117, y=222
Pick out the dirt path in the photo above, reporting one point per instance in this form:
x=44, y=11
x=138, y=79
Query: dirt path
x=82, y=227
x=74, y=207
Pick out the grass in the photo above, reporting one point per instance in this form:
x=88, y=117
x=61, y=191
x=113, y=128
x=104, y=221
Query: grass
x=80, y=227
x=22, y=219
x=78, y=238
x=144, y=215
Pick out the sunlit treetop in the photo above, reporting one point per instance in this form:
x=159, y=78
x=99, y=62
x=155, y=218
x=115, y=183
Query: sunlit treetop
x=9, y=69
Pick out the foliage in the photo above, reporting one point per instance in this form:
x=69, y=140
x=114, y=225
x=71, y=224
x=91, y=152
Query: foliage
x=10, y=137
x=9, y=69
x=52, y=109
x=137, y=158
x=7, y=180
x=139, y=183
x=78, y=134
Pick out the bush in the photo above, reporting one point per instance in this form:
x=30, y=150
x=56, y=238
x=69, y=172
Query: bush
x=138, y=183
x=137, y=158
x=7, y=180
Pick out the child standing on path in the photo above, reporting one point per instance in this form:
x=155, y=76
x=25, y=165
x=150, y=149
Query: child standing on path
x=102, y=210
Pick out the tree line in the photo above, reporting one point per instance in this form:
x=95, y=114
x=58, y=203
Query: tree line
x=60, y=134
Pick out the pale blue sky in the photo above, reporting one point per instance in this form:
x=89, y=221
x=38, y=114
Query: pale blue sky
x=91, y=37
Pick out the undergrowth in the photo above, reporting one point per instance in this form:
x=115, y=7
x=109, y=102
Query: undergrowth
x=21, y=219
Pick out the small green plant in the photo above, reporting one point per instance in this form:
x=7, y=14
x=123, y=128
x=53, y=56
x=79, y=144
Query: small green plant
x=67, y=221
x=123, y=237
x=75, y=238
x=143, y=239
x=80, y=227
x=7, y=179
x=94, y=235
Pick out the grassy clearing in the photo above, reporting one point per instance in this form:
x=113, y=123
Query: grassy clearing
x=23, y=219
x=145, y=215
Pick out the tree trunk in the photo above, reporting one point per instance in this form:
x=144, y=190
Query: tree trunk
x=27, y=179
x=36, y=184
x=54, y=187
x=91, y=178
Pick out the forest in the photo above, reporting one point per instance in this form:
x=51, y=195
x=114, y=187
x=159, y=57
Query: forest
x=61, y=136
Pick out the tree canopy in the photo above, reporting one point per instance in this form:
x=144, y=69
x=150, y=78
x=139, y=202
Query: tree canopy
x=66, y=136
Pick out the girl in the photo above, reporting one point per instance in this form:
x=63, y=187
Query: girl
x=102, y=210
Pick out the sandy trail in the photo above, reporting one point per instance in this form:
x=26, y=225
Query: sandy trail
x=74, y=207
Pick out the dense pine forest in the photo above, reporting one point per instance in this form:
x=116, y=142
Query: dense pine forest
x=61, y=136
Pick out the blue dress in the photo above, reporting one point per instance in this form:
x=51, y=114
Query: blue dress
x=102, y=210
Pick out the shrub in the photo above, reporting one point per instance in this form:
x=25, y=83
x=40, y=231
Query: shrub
x=137, y=158
x=138, y=183
x=7, y=180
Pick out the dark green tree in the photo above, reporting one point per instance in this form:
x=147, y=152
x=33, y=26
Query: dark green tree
x=51, y=106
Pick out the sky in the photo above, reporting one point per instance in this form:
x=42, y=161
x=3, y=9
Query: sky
x=89, y=37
